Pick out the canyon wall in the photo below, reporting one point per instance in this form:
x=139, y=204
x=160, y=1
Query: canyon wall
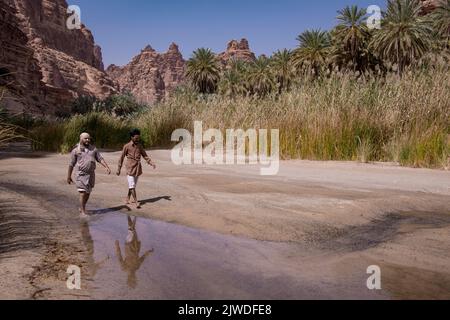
x=68, y=61
x=150, y=76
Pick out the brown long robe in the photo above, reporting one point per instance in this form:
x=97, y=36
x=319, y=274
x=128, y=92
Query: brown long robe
x=133, y=153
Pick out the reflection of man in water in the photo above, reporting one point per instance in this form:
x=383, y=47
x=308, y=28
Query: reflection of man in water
x=132, y=261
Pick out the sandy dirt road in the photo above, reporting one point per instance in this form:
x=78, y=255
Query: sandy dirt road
x=225, y=232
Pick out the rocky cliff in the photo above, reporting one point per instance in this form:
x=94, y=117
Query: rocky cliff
x=150, y=76
x=237, y=51
x=45, y=65
x=20, y=77
x=68, y=62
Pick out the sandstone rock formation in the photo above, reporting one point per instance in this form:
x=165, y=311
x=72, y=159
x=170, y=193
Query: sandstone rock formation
x=237, y=51
x=20, y=77
x=69, y=61
x=53, y=65
x=150, y=76
x=44, y=65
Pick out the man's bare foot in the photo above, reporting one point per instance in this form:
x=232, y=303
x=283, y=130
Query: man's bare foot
x=83, y=215
x=127, y=201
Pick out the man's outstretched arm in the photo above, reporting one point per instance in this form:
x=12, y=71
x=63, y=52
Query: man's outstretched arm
x=105, y=165
x=119, y=254
x=69, y=175
x=73, y=162
x=147, y=158
x=102, y=161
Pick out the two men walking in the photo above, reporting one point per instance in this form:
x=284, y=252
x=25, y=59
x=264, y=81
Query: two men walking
x=83, y=161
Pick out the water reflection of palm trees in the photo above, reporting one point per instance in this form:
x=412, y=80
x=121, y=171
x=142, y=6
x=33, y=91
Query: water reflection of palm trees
x=132, y=261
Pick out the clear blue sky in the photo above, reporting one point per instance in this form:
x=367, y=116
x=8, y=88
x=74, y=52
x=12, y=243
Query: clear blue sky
x=123, y=27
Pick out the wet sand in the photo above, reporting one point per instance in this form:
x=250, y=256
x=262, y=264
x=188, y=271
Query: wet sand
x=220, y=232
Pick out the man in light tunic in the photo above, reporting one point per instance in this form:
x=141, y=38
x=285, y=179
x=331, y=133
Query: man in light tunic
x=83, y=159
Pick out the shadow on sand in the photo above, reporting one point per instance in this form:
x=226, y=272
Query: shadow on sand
x=126, y=207
x=154, y=200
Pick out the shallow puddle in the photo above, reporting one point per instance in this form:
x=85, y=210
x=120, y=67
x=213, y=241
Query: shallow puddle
x=138, y=258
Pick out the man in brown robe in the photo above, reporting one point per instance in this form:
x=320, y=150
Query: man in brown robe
x=83, y=159
x=133, y=152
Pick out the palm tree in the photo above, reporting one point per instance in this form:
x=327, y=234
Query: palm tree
x=232, y=82
x=283, y=69
x=350, y=37
x=260, y=77
x=313, y=50
x=404, y=36
x=441, y=20
x=238, y=65
x=203, y=71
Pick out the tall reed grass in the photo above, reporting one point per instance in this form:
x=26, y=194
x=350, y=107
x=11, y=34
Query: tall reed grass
x=8, y=133
x=340, y=117
x=61, y=136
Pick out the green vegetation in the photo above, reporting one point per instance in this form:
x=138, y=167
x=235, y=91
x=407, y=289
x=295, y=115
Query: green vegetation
x=404, y=36
x=119, y=105
x=313, y=51
x=8, y=131
x=106, y=130
x=204, y=71
x=340, y=117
